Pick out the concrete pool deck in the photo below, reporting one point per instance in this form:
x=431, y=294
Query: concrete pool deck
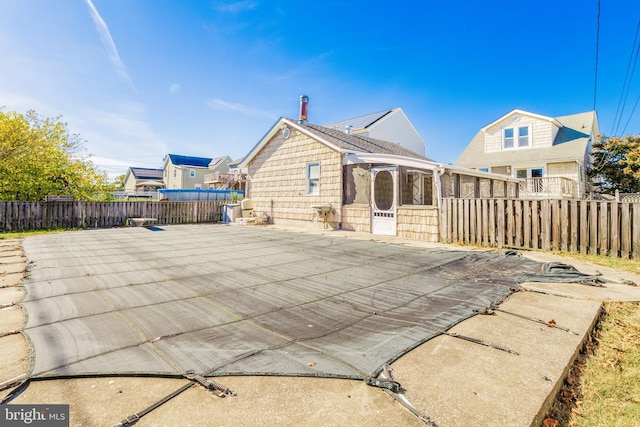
x=451, y=381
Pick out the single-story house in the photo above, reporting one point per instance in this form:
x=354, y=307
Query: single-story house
x=137, y=180
x=308, y=174
x=550, y=154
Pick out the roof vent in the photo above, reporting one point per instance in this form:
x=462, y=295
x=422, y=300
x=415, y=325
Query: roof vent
x=304, y=109
x=348, y=129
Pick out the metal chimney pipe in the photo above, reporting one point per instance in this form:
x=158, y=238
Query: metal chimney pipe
x=304, y=109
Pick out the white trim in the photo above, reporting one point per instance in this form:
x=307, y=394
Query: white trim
x=310, y=179
x=357, y=158
x=523, y=113
x=275, y=129
x=529, y=169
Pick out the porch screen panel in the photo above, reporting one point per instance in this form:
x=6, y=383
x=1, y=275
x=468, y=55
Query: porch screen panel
x=467, y=187
x=448, y=185
x=417, y=188
x=498, y=188
x=357, y=184
x=485, y=188
x=428, y=189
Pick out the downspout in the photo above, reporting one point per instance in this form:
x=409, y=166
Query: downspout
x=441, y=170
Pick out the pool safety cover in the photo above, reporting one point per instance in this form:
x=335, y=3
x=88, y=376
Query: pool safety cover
x=233, y=300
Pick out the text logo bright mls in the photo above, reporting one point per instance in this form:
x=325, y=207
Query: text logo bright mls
x=34, y=415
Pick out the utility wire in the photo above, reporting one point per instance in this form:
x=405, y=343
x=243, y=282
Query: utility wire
x=626, y=96
x=627, y=80
x=595, y=82
x=630, y=115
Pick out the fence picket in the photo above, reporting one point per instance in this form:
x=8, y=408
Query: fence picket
x=625, y=224
x=526, y=222
x=593, y=228
x=584, y=227
x=635, y=225
x=615, y=231
x=603, y=228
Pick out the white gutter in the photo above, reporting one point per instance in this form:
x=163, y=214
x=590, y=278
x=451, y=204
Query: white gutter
x=352, y=158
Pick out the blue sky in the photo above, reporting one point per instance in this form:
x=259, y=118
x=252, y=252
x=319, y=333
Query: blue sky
x=138, y=79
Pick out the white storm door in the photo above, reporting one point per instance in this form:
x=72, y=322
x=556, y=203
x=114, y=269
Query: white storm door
x=384, y=193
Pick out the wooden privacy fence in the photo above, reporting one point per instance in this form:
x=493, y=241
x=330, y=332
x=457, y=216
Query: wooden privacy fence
x=588, y=227
x=26, y=216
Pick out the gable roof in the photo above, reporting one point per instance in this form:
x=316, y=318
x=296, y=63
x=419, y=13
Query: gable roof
x=361, y=122
x=177, y=160
x=571, y=143
x=517, y=111
x=335, y=139
x=147, y=173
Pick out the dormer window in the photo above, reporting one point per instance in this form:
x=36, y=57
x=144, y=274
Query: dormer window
x=516, y=137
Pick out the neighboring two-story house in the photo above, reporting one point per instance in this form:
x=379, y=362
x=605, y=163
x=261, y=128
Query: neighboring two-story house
x=550, y=154
x=389, y=125
x=224, y=175
x=185, y=172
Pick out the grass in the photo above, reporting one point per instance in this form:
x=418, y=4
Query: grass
x=603, y=387
x=609, y=392
x=630, y=265
x=6, y=235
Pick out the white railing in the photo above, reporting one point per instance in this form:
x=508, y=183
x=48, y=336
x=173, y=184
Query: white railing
x=224, y=181
x=555, y=187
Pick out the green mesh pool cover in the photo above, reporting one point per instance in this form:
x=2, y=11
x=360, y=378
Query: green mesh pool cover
x=222, y=300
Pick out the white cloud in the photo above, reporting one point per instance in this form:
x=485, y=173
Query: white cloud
x=109, y=45
x=235, y=7
x=118, y=138
x=220, y=104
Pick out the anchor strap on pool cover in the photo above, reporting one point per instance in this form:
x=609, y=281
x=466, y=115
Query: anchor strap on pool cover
x=210, y=385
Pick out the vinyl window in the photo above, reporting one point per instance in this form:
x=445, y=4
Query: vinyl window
x=313, y=178
x=516, y=137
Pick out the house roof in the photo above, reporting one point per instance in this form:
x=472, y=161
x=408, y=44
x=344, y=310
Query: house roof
x=517, y=111
x=147, y=173
x=339, y=140
x=218, y=160
x=178, y=160
x=359, y=143
x=570, y=144
x=361, y=122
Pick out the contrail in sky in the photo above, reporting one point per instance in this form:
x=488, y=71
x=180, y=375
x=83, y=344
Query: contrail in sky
x=109, y=45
